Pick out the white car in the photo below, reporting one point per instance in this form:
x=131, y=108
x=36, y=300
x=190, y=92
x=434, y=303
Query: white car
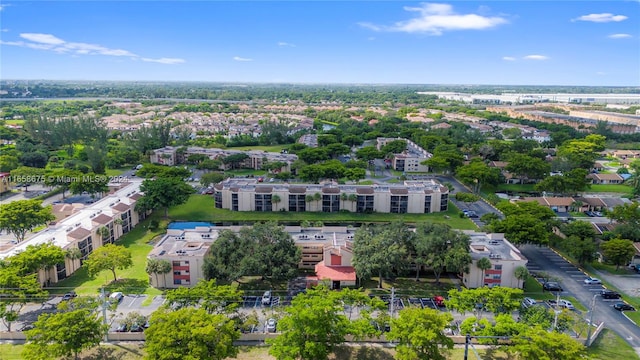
x=527, y=302
x=266, y=298
x=566, y=304
x=116, y=297
x=592, y=281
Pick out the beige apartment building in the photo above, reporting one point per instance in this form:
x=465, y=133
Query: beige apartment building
x=170, y=156
x=504, y=257
x=413, y=197
x=82, y=229
x=410, y=160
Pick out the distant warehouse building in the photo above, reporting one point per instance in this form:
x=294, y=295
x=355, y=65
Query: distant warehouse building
x=413, y=197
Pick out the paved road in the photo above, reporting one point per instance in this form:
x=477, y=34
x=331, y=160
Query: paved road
x=572, y=280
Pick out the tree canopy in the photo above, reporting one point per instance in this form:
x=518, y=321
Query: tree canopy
x=109, y=257
x=21, y=216
x=163, y=193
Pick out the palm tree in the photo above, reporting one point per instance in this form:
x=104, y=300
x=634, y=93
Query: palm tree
x=483, y=264
x=104, y=233
x=158, y=266
x=275, y=199
x=73, y=254
x=308, y=199
x=521, y=273
x=353, y=198
x=344, y=198
x=317, y=197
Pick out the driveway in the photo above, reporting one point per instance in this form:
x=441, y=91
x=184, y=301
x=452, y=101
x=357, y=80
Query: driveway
x=543, y=259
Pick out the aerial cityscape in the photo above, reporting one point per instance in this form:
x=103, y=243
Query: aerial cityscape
x=319, y=180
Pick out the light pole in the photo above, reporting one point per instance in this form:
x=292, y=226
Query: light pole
x=593, y=309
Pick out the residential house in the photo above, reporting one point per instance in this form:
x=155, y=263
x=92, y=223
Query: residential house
x=605, y=179
x=505, y=258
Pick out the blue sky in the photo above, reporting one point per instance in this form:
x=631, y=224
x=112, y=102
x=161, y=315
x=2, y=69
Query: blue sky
x=461, y=42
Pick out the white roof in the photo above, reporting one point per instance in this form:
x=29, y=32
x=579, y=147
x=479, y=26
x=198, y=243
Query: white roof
x=57, y=234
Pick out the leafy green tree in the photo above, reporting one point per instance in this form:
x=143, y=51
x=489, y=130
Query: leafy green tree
x=420, y=334
x=36, y=257
x=521, y=273
x=440, y=247
x=8, y=163
x=63, y=334
x=109, y=257
x=527, y=167
x=211, y=178
x=235, y=159
x=311, y=328
x=379, y=249
x=163, y=193
x=63, y=178
x=477, y=173
x=628, y=213
x=190, y=334
x=21, y=216
x=27, y=176
x=497, y=300
x=539, y=344
x=17, y=289
x=90, y=183
x=313, y=155
x=394, y=147
x=214, y=298
x=368, y=153
x=618, y=251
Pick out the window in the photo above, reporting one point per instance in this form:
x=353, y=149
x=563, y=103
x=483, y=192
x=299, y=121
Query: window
x=262, y=202
x=297, y=203
x=399, y=165
x=444, y=202
x=364, y=204
x=234, y=202
x=399, y=204
x=498, y=267
x=330, y=203
x=496, y=277
x=217, y=198
x=427, y=204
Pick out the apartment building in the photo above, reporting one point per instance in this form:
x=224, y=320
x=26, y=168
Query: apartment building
x=505, y=259
x=5, y=182
x=170, y=156
x=82, y=230
x=409, y=160
x=414, y=197
x=186, y=249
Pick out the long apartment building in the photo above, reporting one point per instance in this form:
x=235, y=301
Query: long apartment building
x=409, y=160
x=82, y=230
x=505, y=258
x=170, y=156
x=413, y=197
x=186, y=248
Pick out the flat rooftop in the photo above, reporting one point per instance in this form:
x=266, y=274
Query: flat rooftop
x=492, y=246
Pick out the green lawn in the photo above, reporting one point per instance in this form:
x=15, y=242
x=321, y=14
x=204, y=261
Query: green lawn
x=133, y=280
x=533, y=289
x=116, y=172
x=513, y=187
x=610, y=346
x=614, y=188
x=405, y=287
x=611, y=269
x=267, y=148
x=633, y=315
x=201, y=208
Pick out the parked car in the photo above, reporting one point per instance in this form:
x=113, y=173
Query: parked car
x=122, y=328
x=136, y=328
x=68, y=296
x=271, y=325
x=551, y=286
x=561, y=303
x=116, y=297
x=609, y=294
x=439, y=300
x=266, y=298
x=592, y=281
x=527, y=302
x=623, y=307
x=27, y=327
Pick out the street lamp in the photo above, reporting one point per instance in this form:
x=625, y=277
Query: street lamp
x=593, y=309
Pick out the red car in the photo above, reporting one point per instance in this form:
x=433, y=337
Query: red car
x=439, y=300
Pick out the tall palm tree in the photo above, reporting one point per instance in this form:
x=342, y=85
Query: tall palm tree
x=353, y=198
x=521, y=273
x=483, y=264
x=73, y=254
x=317, y=197
x=275, y=199
x=344, y=198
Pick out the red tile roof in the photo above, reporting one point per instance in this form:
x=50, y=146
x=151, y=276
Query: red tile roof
x=335, y=273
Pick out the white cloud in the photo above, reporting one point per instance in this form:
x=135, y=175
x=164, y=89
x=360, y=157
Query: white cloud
x=601, y=18
x=619, y=36
x=536, y=57
x=5, y=30
x=42, y=38
x=285, y=44
x=238, y=58
x=52, y=43
x=371, y=38
x=601, y=73
x=435, y=19
x=508, y=58
x=164, y=60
